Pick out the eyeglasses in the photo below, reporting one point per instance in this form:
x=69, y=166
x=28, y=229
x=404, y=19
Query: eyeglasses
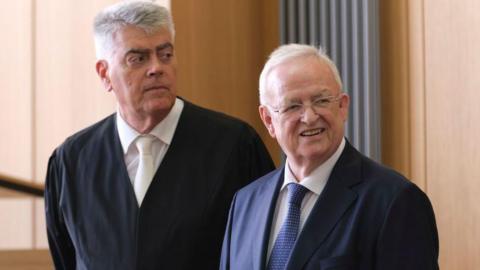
x=295, y=109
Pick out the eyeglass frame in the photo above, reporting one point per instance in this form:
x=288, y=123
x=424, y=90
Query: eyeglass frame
x=302, y=107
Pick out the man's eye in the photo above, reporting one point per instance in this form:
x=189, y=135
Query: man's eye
x=291, y=108
x=321, y=102
x=166, y=56
x=136, y=59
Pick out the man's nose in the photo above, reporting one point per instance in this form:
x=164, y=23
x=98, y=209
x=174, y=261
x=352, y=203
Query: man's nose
x=156, y=68
x=309, y=115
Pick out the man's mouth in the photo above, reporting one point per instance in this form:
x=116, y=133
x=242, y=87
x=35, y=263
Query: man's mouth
x=156, y=87
x=312, y=132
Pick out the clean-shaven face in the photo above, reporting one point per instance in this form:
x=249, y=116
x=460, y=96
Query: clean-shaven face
x=306, y=109
x=142, y=72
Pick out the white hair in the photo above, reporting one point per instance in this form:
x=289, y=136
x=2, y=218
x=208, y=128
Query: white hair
x=293, y=51
x=146, y=15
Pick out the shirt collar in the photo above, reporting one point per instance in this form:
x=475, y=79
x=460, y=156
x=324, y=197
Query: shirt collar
x=163, y=131
x=317, y=180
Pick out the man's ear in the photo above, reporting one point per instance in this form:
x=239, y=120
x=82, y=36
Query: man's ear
x=343, y=105
x=102, y=70
x=267, y=119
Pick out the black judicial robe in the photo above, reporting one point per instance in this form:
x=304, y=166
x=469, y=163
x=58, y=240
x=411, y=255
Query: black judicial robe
x=94, y=222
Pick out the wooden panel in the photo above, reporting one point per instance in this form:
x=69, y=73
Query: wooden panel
x=40, y=228
x=221, y=48
x=69, y=95
x=452, y=62
x=8, y=193
x=16, y=89
x=271, y=40
x=16, y=226
x=416, y=109
x=16, y=120
x=26, y=260
x=442, y=60
x=394, y=85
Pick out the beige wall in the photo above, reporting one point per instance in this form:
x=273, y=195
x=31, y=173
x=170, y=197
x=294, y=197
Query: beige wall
x=452, y=113
x=16, y=97
x=49, y=90
x=68, y=94
x=430, y=61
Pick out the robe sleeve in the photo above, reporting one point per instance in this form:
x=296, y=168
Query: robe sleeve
x=259, y=160
x=248, y=161
x=61, y=246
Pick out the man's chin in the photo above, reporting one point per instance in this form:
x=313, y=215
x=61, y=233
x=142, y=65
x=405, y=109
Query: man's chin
x=160, y=104
x=318, y=151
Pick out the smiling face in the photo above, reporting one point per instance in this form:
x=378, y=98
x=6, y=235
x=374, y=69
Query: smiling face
x=311, y=134
x=142, y=74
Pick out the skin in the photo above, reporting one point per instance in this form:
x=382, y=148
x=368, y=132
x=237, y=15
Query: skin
x=310, y=139
x=141, y=72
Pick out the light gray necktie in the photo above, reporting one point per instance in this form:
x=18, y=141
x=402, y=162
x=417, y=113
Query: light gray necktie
x=145, y=170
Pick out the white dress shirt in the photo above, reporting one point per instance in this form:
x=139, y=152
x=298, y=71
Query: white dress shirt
x=315, y=183
x=163, y=131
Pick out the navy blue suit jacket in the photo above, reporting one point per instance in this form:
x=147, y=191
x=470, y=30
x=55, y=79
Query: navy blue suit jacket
x=367, y=217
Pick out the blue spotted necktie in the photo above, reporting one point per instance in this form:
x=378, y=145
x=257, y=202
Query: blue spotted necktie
x=288, y=232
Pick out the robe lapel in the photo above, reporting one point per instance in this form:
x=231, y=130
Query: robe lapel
x=118, y=159
x=329, y=208
x=267, y=199
x=174, y=154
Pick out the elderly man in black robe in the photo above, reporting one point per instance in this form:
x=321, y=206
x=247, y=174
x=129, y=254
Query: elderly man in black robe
x=148, y=187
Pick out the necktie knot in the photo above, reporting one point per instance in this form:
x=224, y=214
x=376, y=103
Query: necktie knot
x=296, y=193
x=144, y=144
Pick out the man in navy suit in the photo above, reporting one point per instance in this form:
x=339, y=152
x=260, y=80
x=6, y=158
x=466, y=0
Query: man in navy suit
x=149, y=186
x=329, y=207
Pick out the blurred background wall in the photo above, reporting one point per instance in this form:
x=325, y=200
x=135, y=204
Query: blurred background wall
x=429, y=60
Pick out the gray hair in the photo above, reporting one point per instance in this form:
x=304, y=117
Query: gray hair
x=146, y=15
x=293, y=51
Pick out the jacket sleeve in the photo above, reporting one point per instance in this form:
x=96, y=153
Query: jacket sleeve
x=409, y=237
x=61, y=246
x=225, y=258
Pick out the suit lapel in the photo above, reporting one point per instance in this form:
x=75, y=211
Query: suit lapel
x=267, y=200
x=329, y=208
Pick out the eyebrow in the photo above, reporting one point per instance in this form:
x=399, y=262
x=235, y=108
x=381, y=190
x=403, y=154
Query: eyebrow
x=137, y=51
x=167, y=45
x=323, y=93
